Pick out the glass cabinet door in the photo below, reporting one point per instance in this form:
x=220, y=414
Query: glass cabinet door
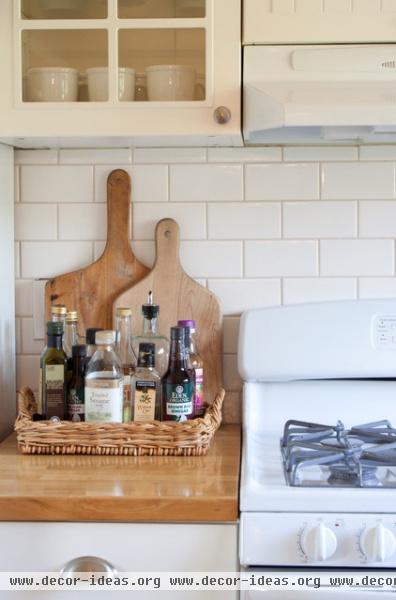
x=113, y=51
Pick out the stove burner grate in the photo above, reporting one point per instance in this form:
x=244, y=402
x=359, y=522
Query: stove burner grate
x=322, y=455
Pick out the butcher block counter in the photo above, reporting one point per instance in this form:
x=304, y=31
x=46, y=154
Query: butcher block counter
x=121, y=488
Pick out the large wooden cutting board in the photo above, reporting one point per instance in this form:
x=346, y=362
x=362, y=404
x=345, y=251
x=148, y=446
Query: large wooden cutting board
x=92, y=290
x=180, y=297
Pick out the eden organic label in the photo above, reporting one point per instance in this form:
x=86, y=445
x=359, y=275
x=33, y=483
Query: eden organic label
x=179, y=401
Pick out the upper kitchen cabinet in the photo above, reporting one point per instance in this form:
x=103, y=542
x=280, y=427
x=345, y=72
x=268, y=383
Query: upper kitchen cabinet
x=120, y=72
x=319, y=21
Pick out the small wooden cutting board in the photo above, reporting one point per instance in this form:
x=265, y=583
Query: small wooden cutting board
x=92, y=290
x=179, y=297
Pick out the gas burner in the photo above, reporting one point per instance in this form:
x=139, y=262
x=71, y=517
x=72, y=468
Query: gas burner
x=331, y=455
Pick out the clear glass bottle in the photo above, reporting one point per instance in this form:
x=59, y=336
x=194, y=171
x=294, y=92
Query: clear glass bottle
x=90, y=334
x=146, y=386
x=71, y=337
x=177, y=383
x=126, y=354
x=75, y=393
x=58, y=313
x=53, y=370
x=197, y=364
x=151, y=335
x=104, y=382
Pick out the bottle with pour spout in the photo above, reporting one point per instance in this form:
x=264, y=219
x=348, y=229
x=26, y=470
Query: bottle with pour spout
x=151, y=335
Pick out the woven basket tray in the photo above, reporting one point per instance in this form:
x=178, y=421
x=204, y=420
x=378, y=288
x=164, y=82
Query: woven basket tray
x=154, y=438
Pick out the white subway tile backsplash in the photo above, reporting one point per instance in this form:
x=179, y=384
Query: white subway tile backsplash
x=281, y=259
x=17, y=259
x=36, y=221
x=222, y=155
x=39, y=308
x=358, y=181
x=232, y=381
x=98, y=156
x=237, y=295
x=244, y=220
x=82, y=221
x=288, y=181
x=377, y=287
x=169, y=155
x=377, y=219
x=319, y=219
x=27, y=371
x=56, y=184
x=319, y=153
x=211, y=259
x=230, y=334
x=191, y=218
x=46, y=259
x=23, y=298
x=149, y=183
x=356, y=257
x=206, y=183
x=373, y=153
x=36, y=157
x=18, y=335
x=318, y=289
x=30, y=344
x=17, y=195
x=232, y=408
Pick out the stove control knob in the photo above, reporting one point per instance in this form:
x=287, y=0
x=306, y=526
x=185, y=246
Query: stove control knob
x=318, y=542
x=378, y=543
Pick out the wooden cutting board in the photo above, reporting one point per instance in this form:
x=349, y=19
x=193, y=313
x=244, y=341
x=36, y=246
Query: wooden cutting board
x=179, y=297
x=92, y=290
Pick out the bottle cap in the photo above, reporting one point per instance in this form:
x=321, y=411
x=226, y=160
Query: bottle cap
x=79, y=350
x=187, y=323
x=58, y=309
x=106, y=336
x=54, y=328
x=123, y=312
x=146, y=355
x=177, y=333
x=72, y=316
x=150, y=310
x=91, y=333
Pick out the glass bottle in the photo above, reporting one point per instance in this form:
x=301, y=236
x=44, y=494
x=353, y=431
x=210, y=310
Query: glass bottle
x=58, y=313
x=104, y=382
x=90, y=340
x=197, y=364
x=70, y=337
x=146, y=386
x=53, y=369
x=125, y=353
x=75, y=394
x=177, y=383
x=151, y=335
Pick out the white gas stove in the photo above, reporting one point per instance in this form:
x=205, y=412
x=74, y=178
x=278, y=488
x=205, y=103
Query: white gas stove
x=333, y=502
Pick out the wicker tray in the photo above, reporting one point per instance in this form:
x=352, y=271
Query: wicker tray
x=154, y=438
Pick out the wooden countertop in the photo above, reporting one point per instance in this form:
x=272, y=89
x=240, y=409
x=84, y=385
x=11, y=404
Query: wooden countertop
x=122, y=488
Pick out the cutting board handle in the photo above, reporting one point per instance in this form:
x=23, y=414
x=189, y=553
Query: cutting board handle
x=167, y=238
x=118, y=204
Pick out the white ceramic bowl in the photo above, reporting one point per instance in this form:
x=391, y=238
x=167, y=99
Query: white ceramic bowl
x=52, y=84
x=170, y=82
x=98, y=82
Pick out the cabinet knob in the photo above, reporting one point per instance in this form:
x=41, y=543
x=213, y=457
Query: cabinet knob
x=88, y=564
x=222, y=115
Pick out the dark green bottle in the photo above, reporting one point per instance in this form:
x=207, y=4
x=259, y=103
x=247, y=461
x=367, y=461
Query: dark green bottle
x=53, y=373
x=76, y=387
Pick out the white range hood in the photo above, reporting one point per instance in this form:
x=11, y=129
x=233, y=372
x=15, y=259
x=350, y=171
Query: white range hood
x=319, y=93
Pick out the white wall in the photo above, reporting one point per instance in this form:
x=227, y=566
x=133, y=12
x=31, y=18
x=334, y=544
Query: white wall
x=7, y=295
x=259, y=226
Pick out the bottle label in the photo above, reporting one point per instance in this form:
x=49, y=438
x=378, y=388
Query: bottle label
x=75, y=404
x=179, y=401
x=199, y=400
x=127, y=399
x=55, y=391
x=145, y=394
x=103, y=401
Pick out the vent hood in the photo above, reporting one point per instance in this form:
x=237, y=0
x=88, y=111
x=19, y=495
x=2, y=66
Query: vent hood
x=319, y=94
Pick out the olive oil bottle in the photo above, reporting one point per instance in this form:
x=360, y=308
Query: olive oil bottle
x=53, y=371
